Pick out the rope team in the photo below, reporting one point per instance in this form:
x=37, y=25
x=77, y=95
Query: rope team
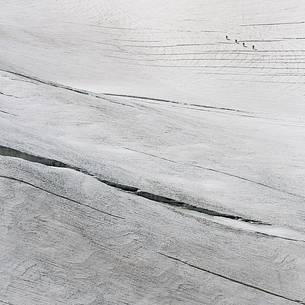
x=243, y=44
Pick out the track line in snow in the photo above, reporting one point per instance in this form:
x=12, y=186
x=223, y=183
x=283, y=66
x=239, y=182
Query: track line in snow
x=236, y=281
x=60, y=196
x=220, y=172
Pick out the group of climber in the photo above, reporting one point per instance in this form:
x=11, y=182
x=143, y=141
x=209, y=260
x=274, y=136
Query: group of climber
x=243, y=44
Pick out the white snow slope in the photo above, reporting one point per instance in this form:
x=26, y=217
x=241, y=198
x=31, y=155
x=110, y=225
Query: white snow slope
x=146, y=158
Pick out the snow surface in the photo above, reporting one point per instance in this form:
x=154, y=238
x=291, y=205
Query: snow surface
x=151, y=94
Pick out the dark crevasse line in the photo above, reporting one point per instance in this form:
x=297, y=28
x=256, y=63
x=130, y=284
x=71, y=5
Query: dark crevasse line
x=61, y=86
x=276, y=23
x=190, y=207
x=173, y=102
x=11, y=152
x=60, y=196
x=122, y=187
x=232, y=279
x=49, y=83
x=8, y=95
x=2, y=111
x=95, y=95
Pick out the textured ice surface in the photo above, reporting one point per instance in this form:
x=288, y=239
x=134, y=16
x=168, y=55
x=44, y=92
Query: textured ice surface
x=100, y=97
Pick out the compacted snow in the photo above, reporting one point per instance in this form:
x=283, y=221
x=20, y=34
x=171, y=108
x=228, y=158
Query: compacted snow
x=148, y=158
